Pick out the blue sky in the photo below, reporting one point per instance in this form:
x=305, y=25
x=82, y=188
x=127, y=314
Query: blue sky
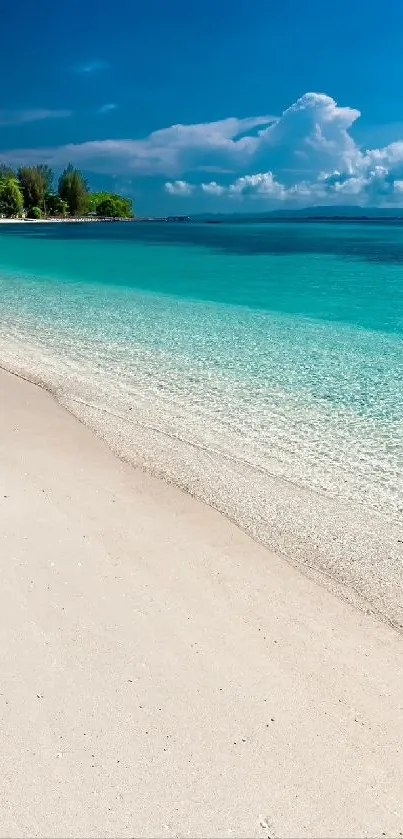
x=223, y=106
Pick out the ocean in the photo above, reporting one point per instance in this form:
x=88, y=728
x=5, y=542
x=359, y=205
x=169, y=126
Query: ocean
x=257, y=366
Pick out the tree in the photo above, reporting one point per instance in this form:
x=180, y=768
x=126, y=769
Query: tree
x=74, y=190
x=6, y=172
x=55, y=206
x=107, y=208
x=11, y=198
x=126, y=205
x=47, y=176
x=35, y=212
x=111, y=205
x=33, y=186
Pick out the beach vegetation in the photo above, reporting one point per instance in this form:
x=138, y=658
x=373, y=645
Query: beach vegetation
x=35, y=212
x=6, y=172
x=34, y=185
x=29, y=192
x=73, y=189
x=46, y=174
x=111, y=205
x=11, y=197
x=55, y=206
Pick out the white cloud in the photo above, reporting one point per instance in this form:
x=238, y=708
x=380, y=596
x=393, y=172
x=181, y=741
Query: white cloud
x=261, y=183
x=107, y=108
x=169, y=151
x=375, y=187
x=311, y=135
x=213, y=188
x=33, y=115
x=317, y=161
x=307, y=155
x=178, y=188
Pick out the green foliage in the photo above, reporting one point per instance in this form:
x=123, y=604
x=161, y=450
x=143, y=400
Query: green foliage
x=94, y=198
x=73, y=190
x=31, y=188
x=6, y=172
x=111, y=205
x=55, y=206
x=35, y=212
x=35, y=182
x=46, y=175
x=11, y=198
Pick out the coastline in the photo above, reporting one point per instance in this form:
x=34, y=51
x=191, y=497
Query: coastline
x=353, y=551
x=69, y=220
x=300, y=449
x=165, y=675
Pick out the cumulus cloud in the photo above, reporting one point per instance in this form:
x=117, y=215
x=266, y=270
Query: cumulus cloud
x=213, y=188
x=307, y=155
x=33, y=115
x=262, y=183
x=178, y=188
x=311, y=136
x=376, y=187
x=316, y=160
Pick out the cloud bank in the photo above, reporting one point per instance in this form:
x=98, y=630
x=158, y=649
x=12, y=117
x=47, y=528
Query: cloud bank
x=168, y=152
x=314, y=159
x=307, y=155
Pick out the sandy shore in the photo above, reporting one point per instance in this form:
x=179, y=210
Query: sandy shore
x=162, y=674
x=45, y=220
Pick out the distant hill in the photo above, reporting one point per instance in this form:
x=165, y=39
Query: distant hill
x=344, y=212
x=339, y=212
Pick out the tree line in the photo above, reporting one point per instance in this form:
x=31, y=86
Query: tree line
x=29, y=191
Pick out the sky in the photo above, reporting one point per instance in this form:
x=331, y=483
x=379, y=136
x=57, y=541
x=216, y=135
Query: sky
x=213, y=106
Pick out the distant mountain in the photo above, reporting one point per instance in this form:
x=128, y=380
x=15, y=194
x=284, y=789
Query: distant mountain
x=344, y=212
x=339, y=212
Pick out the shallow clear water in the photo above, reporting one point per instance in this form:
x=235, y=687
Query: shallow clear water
x=274, y=350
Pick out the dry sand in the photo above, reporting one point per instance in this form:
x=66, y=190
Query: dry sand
x=163, y=675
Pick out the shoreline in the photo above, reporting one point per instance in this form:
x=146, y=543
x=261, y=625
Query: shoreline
x=165, y=675
x=336, y=587
x=352, y=551
x=71, y=220
x=314, y=480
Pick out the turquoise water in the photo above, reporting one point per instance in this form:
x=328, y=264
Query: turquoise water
x=258, y=366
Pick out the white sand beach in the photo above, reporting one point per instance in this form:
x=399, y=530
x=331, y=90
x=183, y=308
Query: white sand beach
x=162, y=675
x=47, y=220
